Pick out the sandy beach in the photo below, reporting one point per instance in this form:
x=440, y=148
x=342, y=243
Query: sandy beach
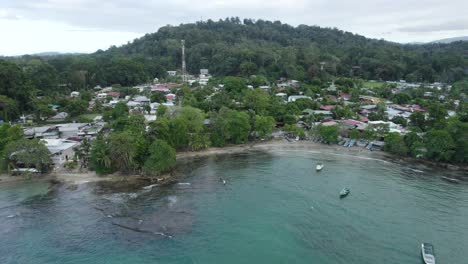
x=267, y=146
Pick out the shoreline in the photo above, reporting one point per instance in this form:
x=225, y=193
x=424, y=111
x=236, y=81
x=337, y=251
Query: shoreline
x=266, y=146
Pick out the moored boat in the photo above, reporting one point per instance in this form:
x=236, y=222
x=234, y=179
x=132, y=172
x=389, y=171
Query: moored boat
x=319, y=167
x=344, y=192
x=427, y=251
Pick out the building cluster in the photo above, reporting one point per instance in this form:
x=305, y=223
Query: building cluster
x=62, y=139
x=368, y=105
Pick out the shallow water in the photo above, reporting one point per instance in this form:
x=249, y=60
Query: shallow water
x=274, y=208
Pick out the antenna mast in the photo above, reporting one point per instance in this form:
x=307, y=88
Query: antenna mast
x=184, y=66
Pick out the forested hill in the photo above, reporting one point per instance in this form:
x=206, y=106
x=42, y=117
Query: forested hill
x=235, y=47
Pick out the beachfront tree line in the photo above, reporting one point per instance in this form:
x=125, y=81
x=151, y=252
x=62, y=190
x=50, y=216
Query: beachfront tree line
x=16, y=151
x=444, y=141
x=238, y=114
x=134, y=147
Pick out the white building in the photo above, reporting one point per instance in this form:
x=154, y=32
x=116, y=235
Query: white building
x=113, y=102
x=283, y=95
x=293, y=98
x=141, y=99
x=149, y=118
x=392, y=126
x=61, y=149
x=169, y=104
x=172, y=73
x=203, y=79
x=70, y=129
x=58, y=117
x=133, y=104
x=75, y=94
x=204, y=72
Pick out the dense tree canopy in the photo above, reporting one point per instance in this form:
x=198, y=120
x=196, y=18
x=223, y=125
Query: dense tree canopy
x=395, y=144
x=329, y=134
x=439, y=145
x=240, y=48
x=162, y=158
x=26, y=153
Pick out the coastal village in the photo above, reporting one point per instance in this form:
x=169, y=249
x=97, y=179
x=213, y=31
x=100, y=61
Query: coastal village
x=63, y=134
x=227, y=140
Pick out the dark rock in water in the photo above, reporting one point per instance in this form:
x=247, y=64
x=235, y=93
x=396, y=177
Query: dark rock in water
x=452, y=167
x=72, y=187
x=54, y=181
x=128, y=185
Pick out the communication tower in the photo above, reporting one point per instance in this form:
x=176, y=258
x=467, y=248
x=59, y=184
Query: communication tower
x=184, y=66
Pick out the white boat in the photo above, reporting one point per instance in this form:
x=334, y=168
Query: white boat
x=344, y=192
x=319, y=167
x=427, y=251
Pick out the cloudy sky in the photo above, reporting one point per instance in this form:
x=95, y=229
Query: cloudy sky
x=31, y=26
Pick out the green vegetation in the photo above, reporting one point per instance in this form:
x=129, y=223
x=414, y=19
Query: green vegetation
x=229, y=47
x=373, y=85
x=26, y=153
x=87, y=118
x=243, y=55
x=162, y=157
x=264, y=126
x=329, y=134
x=394, y=144
x=294, y=131
x=439, y=145
x=17, y=152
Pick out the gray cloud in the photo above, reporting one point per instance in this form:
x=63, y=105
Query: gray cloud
x=8, y=15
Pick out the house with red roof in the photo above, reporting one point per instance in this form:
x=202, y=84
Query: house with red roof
x=352, y=122
x=160, y=88
x=345, y=97
x=327, y=107
x=364, y=119
x=114, y=95
x=170, y=97
x=332, y=98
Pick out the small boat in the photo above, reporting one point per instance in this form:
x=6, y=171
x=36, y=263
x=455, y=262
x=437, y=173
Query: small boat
x=427, y=251
x=319, y=167
x=222, y=181
x=344, y=192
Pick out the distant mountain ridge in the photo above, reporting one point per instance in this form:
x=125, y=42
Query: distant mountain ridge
x=450, y=40
x=234, y=47
x=54, y=53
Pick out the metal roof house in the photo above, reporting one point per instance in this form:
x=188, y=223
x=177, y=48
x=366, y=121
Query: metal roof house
x=61, y=150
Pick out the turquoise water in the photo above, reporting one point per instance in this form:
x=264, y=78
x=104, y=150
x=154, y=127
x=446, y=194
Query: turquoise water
x=275, y=208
